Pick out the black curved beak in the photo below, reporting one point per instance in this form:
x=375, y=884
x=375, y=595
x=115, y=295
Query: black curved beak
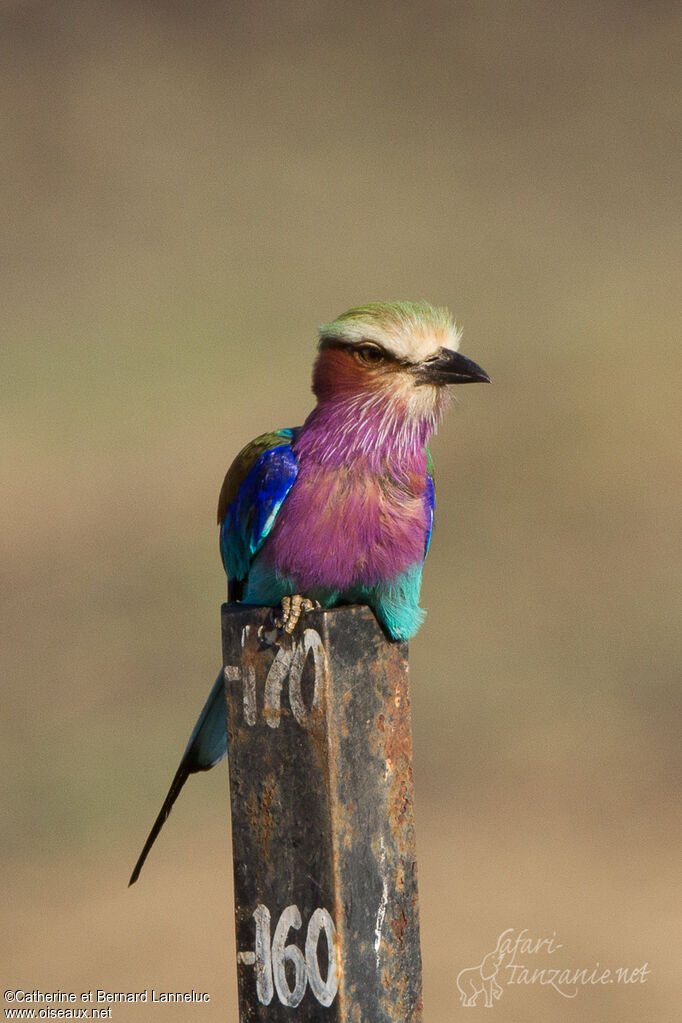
x=450, y=368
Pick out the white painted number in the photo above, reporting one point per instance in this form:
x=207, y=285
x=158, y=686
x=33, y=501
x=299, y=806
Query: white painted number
x=289, y=663
x=324, y=990
x=263, y=960
x=270, y=958
x=283, y=954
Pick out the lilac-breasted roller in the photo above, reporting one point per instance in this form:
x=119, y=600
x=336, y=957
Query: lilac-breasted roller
x=339, y=510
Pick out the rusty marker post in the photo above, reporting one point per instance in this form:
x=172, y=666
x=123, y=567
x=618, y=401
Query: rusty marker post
x=320, y=754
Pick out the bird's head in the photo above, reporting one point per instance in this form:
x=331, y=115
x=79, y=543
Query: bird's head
x=406, y=351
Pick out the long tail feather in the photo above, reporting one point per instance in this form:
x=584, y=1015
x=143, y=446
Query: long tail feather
x=206, y=747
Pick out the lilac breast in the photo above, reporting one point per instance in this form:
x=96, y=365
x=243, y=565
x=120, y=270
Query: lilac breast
x=346, y=526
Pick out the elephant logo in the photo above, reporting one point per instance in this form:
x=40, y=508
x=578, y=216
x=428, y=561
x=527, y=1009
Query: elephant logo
x=477, y=980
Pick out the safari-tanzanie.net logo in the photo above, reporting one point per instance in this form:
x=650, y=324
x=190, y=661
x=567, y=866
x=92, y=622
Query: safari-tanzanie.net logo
x=519, y=959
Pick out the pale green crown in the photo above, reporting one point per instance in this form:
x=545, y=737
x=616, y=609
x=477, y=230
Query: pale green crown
x=412, y=331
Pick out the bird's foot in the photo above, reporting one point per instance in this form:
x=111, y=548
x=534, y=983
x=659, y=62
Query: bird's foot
x=292, y=609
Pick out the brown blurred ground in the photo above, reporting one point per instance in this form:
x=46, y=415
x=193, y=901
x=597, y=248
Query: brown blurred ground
x=188, y=190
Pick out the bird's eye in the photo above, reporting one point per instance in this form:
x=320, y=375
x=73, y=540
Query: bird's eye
x=371, y=355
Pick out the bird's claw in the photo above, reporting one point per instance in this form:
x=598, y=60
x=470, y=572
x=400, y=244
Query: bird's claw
x=292, y=609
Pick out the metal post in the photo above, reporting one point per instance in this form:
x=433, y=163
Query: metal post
x=325, y=873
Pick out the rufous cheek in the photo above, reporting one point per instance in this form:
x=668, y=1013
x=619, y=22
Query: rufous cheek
x=338, y=373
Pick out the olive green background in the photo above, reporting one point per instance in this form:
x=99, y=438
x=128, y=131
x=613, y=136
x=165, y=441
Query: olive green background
x=188, y=190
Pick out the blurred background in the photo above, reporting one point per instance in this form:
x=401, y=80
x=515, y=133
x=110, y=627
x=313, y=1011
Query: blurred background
x=189, y=189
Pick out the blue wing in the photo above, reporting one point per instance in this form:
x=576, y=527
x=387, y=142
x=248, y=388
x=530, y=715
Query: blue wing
x=429, y=502
x=255, y=487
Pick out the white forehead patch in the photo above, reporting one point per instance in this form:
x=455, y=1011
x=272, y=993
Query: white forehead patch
x=409, y=331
